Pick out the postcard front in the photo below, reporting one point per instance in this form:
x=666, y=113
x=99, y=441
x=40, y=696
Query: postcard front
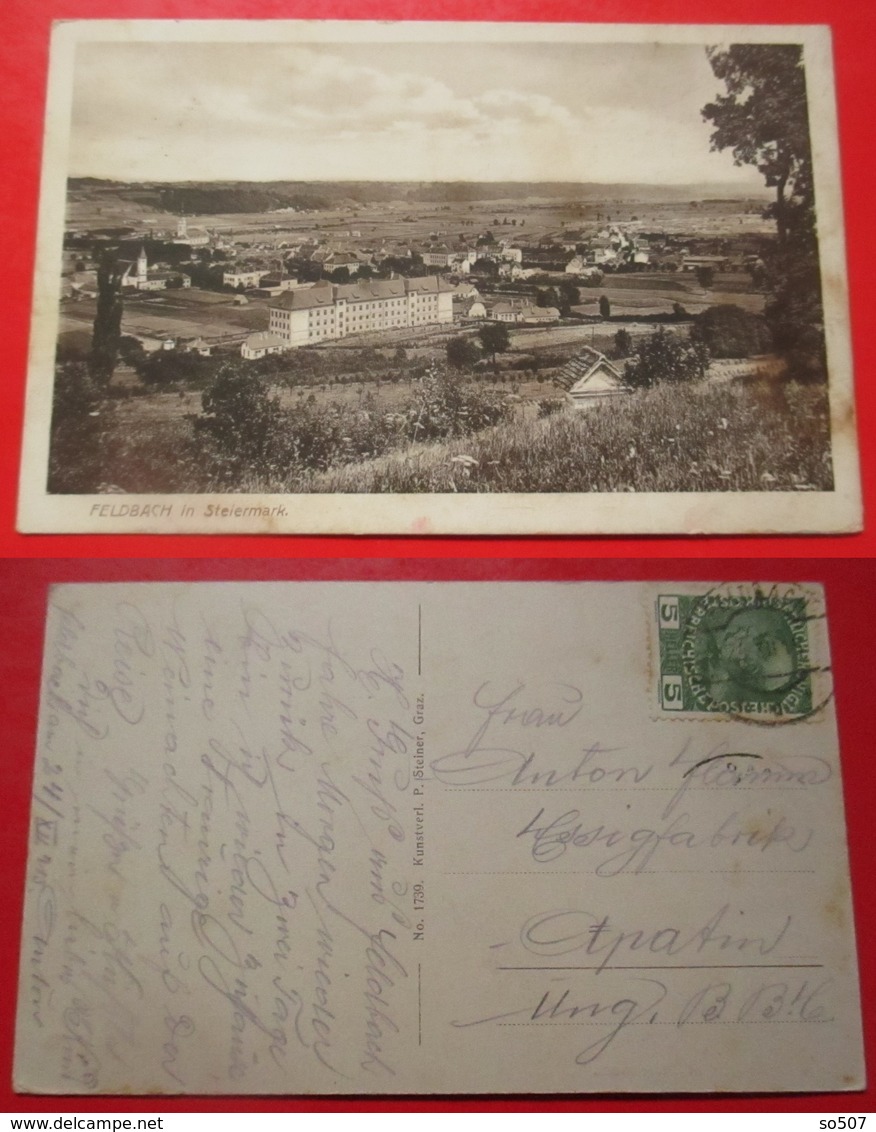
x=474, y=278
x=395, y=838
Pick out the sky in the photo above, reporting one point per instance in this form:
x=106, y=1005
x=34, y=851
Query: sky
x=604, y=113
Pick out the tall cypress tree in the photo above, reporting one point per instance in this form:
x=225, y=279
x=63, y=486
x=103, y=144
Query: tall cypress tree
x=107, y=333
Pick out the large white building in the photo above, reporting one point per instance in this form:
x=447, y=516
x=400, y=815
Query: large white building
x=328, y=310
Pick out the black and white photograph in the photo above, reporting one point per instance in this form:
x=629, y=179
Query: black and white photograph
x=459, y=278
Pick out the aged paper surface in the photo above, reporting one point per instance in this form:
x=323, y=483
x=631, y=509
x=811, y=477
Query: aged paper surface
x=383, y=838
x=413, y=282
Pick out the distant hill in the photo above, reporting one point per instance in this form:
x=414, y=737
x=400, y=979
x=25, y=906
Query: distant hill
x=213, y=197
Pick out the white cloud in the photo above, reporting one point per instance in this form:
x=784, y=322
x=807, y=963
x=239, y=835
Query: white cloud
x=219, y=111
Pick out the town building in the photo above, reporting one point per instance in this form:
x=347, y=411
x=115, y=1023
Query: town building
x=138, y=276
x=521, y=312
x=242, y=278
x=258, y=345
x=191, y=237
x=277, y=283
x=329, y=310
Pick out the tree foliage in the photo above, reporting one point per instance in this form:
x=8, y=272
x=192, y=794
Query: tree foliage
x=462, y=352
x=241, y=417
x=169, y=367
x=107, y=332
x=74, y=394
x=667, y=357
x=495, y=338
x=731, y=332
x=763, y=119
x=623, y=343
x=604, y=306
x=570, y=296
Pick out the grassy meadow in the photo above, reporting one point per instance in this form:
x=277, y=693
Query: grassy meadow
x=756, y=435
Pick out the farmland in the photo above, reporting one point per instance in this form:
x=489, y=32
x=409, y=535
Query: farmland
x=94, y=205
x=354, y=413
x=173, y=314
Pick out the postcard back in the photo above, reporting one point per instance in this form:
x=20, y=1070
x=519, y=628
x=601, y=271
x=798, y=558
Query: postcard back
x=397, y=838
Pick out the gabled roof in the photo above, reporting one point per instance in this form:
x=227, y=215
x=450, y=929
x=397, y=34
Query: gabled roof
x=429, y=284
x=262, y=340
x=584, y=368
x=306, y=298
x=363, y=291
x=369, y=289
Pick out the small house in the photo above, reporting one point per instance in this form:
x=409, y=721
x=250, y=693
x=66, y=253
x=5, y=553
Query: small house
x=590, y=377
x=258, y=345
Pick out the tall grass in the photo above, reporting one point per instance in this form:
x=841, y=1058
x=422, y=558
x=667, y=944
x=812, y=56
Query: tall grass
x=669, y=439
x=760, y=436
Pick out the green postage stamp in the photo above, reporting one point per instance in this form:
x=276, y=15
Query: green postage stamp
x=737, y=651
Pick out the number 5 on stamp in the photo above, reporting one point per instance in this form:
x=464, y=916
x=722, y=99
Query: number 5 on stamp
x=740, y=651
x=671, y=693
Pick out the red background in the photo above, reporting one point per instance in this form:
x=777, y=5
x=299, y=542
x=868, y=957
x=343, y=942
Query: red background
x=24, y=25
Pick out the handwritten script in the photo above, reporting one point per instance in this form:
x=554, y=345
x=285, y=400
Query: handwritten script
x=376, y=838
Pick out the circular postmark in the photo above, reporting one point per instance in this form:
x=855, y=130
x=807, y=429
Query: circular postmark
x=749, y=653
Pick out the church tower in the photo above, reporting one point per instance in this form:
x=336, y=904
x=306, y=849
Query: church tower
x=142, y=267
x=181, y=228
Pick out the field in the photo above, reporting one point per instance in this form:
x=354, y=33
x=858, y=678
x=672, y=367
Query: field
x=754, y=435
x=175, y=314
x=530, y=217
x=738, y=438
x=655, y=293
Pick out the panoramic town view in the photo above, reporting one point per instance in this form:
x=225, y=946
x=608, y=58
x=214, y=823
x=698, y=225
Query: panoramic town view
x=399, y=282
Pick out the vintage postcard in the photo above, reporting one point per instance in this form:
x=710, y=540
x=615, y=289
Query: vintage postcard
x=424, y=278
x=437, y=838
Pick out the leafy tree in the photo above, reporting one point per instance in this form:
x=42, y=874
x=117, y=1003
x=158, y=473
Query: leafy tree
x=442, y=405
x=242, y=419
x=131, y=350
x=667, y=357
x=763, y=119
x=167, y=367
x=495, y=339
x=705, y=276
x=623, y=343
x=74, y=394
x=570, y=296
x=107, y=332
x=731, y=332
x=462, y=352
x=604, y=306
x=548, y=297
